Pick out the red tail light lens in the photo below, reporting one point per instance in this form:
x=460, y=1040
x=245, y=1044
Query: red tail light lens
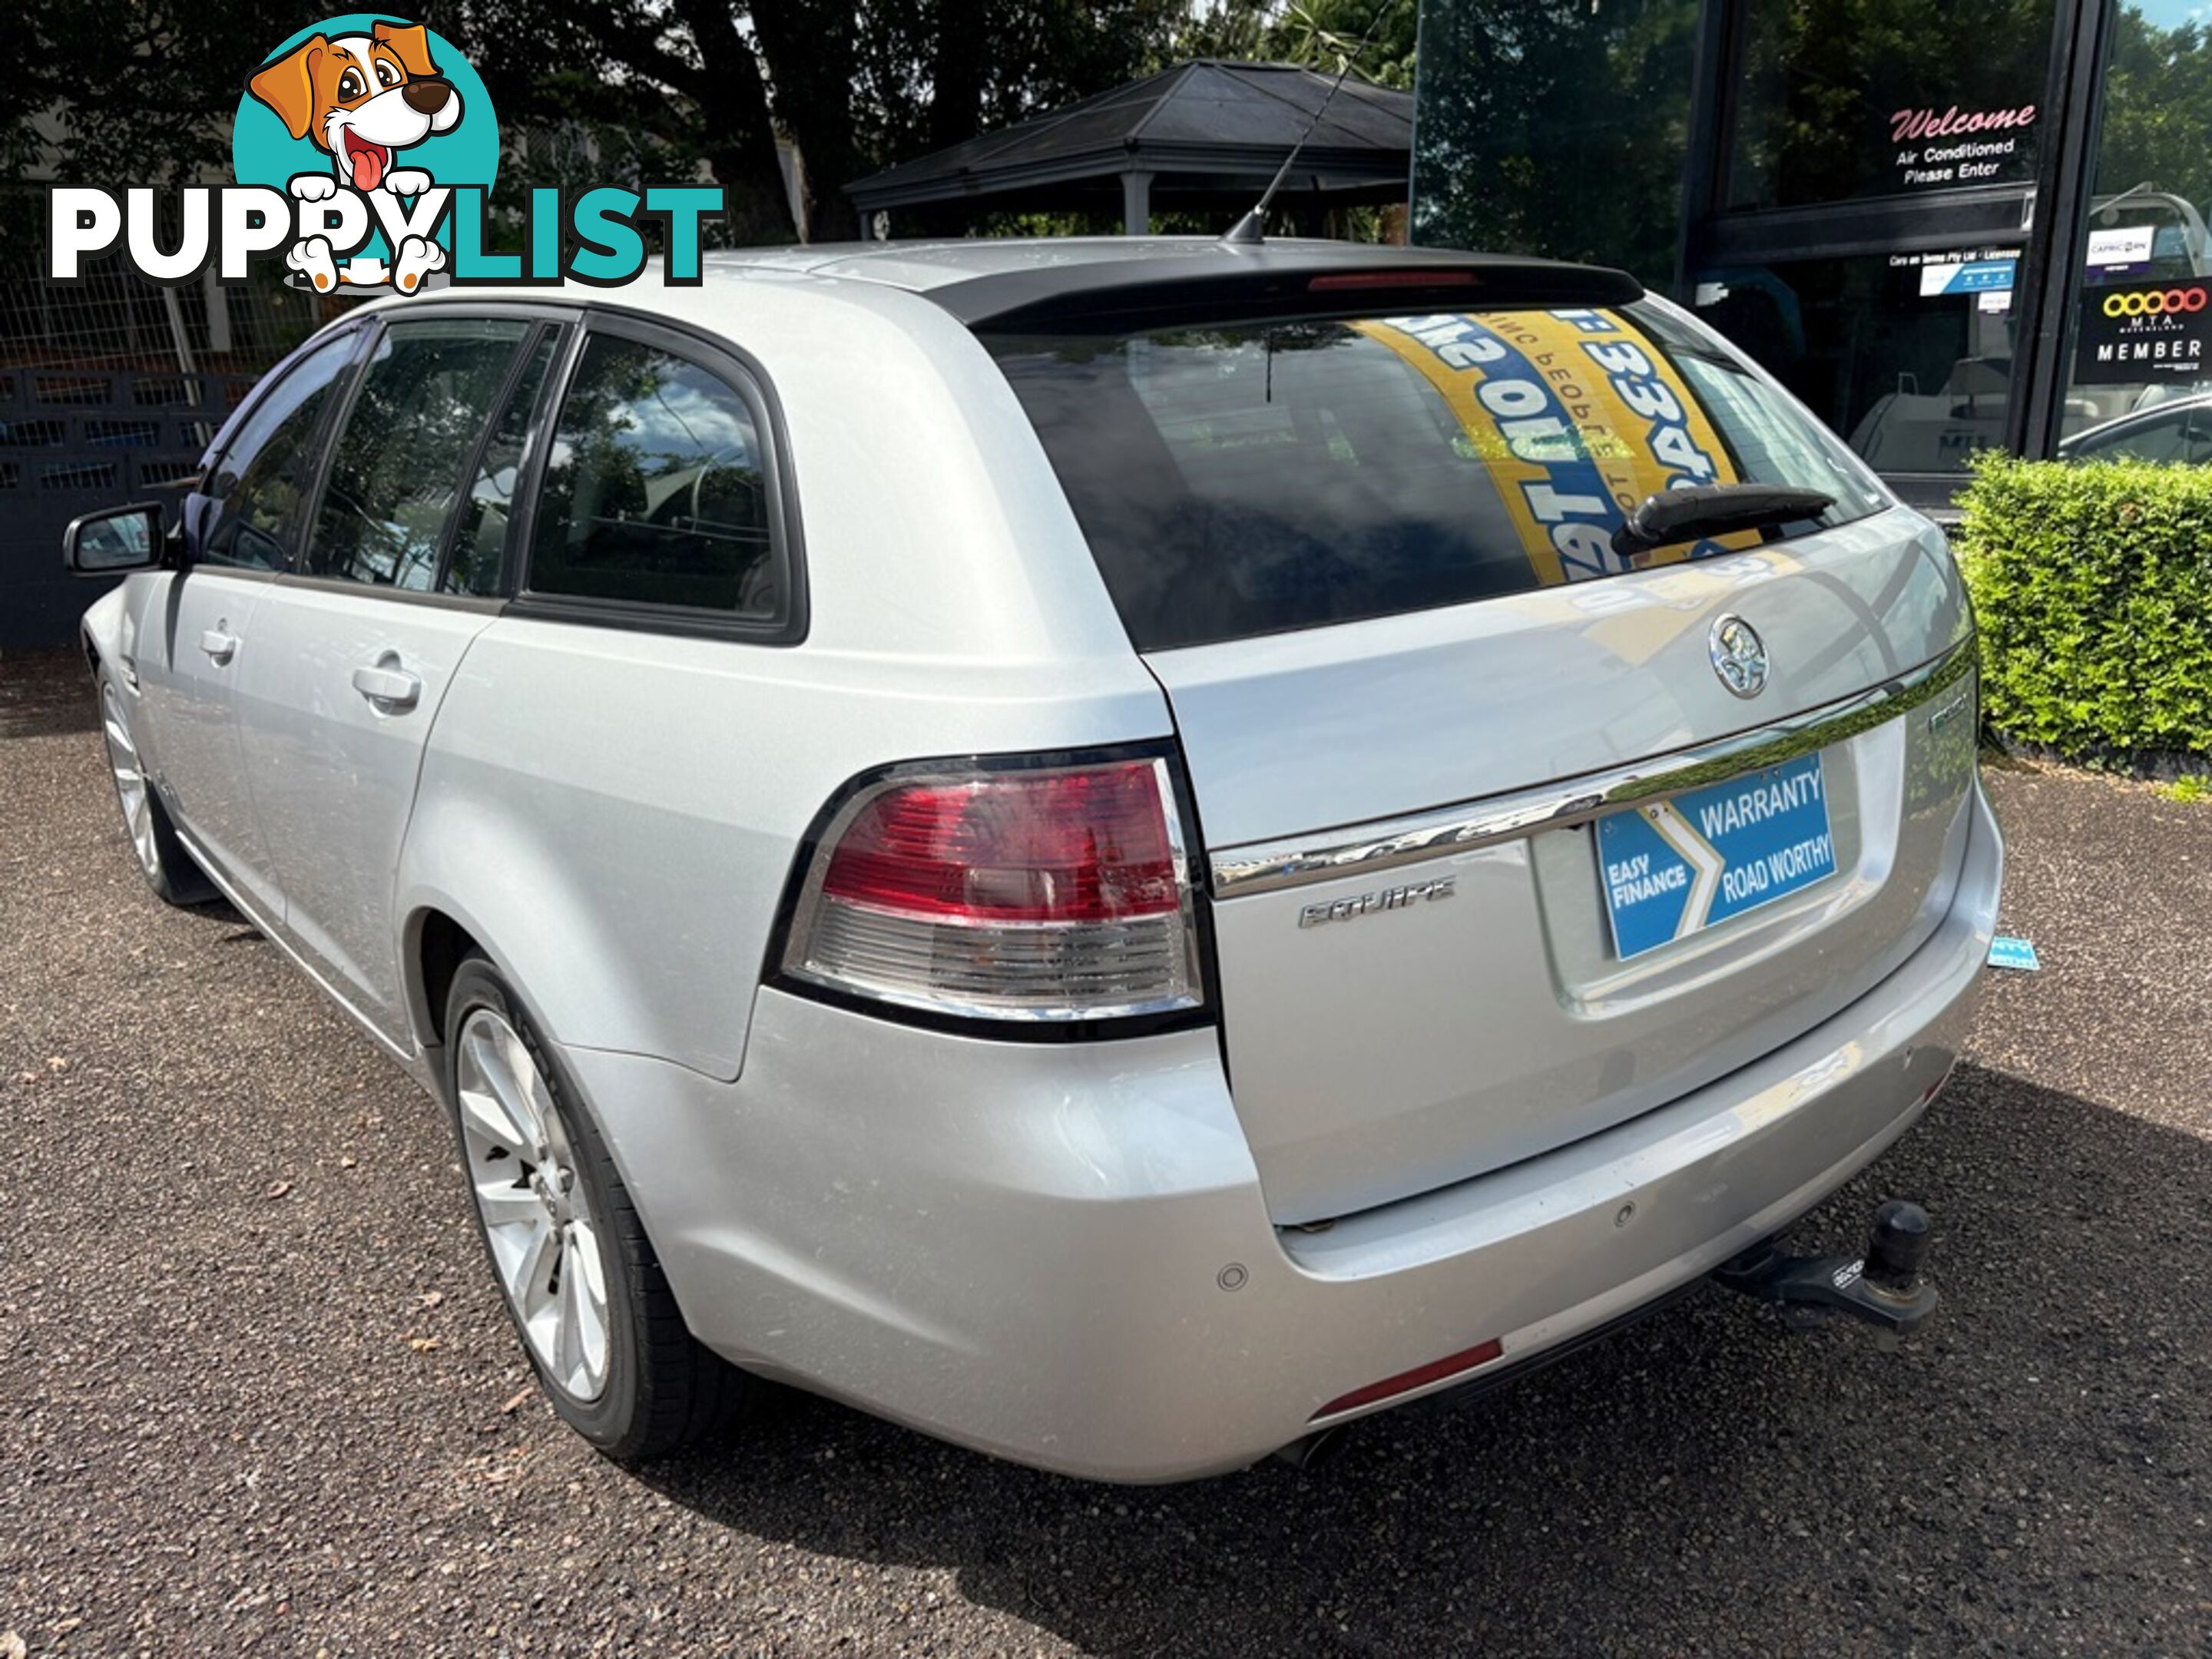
x=1088, y=846
x=1047, y=893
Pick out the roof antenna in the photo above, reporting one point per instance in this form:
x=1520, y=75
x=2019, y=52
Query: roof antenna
x=1250, y=230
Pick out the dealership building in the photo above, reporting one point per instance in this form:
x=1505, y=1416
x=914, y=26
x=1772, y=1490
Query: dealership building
x=1947, y=225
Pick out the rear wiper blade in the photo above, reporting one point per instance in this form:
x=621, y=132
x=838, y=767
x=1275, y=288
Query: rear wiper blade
x=1694, y=512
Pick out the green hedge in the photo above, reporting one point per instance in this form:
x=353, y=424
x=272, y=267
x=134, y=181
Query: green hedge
x=2093, y=583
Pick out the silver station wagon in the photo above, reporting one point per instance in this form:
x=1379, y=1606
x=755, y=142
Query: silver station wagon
x=1121, y=851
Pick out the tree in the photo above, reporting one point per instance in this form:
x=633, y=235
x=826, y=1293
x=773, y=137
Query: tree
x=135, y=92
x=1822, y=84
x=910, y=77
x=631, y=90
x=1376, y=38
x=625, y=89
x=682, y=76
x=1555, y=127
x=855, y=84
x=2157, y=96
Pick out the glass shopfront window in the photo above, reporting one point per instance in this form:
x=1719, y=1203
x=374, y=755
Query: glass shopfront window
x=1557, y=129
x=1843, y=101
x=2142, y=323
x=1887, y=111
x=1849, y=190
x=1888, y=349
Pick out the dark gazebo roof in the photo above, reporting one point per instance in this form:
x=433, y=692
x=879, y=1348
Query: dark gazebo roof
x=1208, y=133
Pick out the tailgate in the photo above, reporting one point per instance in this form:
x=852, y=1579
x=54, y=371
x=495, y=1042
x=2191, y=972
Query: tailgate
x=1387, y=1035
x=1385, y=570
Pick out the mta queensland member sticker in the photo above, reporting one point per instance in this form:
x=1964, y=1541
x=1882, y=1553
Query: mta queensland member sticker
x=2136, y=332
x=1682, y=864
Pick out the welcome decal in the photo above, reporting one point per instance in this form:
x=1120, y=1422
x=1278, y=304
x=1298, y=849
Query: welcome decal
x=1953, y=150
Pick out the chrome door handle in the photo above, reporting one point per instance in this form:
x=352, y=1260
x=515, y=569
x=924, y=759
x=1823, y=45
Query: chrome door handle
x=219, y=645
x=389, y=688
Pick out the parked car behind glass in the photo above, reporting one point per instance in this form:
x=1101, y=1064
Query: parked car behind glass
x=2179, y=430
x=1110, y=849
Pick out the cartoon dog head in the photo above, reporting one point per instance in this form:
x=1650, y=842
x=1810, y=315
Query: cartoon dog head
x=361, y=97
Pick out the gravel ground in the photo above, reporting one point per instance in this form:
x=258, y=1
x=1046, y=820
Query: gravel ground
x=256, y=1392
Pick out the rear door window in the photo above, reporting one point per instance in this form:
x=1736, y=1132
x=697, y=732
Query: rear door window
x=477, y=562
x=425, y=399
x=1240, y=480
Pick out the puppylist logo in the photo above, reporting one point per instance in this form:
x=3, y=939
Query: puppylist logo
x=365, y=150
x=356, y=111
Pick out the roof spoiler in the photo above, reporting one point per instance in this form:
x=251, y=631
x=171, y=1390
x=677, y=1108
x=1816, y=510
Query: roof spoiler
x=1249, y=283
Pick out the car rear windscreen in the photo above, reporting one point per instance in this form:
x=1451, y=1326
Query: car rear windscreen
x=1240, y=480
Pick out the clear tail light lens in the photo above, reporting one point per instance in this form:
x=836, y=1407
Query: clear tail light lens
x=1021, y=894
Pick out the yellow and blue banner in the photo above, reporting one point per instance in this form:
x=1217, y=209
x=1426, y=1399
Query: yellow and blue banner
x=1578, y=418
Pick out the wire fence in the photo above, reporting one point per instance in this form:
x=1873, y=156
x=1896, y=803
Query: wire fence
x=111, y=387
x=113, y=318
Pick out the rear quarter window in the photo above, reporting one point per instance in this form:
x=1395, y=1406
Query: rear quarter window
x=655, y=493
x=1240, y=480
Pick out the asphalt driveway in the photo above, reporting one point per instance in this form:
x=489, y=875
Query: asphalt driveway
x=256, y=1393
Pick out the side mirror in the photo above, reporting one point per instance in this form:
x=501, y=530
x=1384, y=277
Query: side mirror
x=108, y=544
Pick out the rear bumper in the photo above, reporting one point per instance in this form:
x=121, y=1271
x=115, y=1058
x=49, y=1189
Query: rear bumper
x=1059, y=1254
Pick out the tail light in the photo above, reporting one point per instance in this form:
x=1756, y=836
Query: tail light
x=1037, y=894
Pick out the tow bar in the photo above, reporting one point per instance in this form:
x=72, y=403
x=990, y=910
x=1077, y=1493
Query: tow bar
x=1883, y=1287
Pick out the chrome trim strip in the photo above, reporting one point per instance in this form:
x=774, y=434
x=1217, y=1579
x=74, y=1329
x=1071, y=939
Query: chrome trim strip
x=1270, y=866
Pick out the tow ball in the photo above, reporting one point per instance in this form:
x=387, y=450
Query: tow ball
x=1883, y=1287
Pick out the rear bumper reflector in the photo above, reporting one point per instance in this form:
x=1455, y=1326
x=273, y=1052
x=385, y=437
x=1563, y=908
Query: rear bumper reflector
x=1420, y=1377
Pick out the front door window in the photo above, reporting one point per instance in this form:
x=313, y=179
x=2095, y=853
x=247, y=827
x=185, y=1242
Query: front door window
x=259, y=486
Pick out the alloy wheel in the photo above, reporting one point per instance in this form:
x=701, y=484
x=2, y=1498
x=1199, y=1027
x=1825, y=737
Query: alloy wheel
x=534, y=1204
x=130, y=787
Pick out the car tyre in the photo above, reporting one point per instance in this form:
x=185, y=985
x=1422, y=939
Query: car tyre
x=568, y=1249
x=169, y=869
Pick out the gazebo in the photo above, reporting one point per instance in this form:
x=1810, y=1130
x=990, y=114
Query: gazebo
x=1204, y=136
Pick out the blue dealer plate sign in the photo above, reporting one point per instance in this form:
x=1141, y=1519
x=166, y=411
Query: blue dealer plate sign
x=1675, y=868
